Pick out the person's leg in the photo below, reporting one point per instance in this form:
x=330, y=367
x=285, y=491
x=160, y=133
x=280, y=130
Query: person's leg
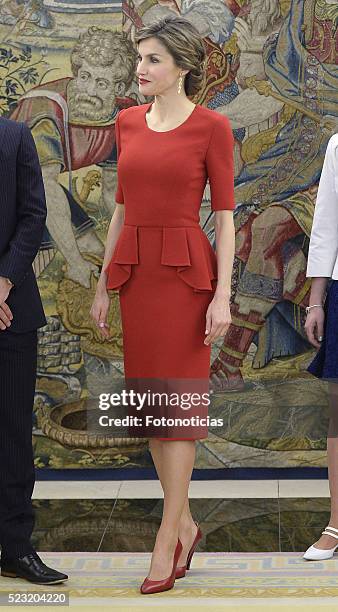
x=178, y=459
x=187, y=528
x=18, y=355
x=326, y=541
x=332, y=452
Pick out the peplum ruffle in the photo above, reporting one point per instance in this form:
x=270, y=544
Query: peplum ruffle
x=186, y=248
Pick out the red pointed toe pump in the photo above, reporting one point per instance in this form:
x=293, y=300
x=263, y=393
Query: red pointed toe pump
x=181, y=570
x=157, y=586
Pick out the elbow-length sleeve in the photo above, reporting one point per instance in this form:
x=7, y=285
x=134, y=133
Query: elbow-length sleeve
x=323, y=245
x=118, y=193
x=220, y=165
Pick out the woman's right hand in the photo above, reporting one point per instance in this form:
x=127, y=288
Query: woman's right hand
x=99, y=310
x=314, y=325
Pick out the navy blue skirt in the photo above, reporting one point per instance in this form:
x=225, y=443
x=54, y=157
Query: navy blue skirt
x=325, y=363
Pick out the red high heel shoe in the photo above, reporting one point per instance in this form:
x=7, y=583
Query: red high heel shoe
x=156, y=586
x=181, y=570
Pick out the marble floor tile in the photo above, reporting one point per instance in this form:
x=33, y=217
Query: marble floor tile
x=70, y=489
x=304, y=488
x=244, y=525
x=204, y=489
x=133, y=525
x=111, y=489
x=125, y=516
x=302, y=522
x=70, y=524
x=140, y=489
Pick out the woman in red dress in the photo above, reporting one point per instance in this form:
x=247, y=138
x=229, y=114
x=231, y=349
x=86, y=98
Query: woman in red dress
x=174, y=290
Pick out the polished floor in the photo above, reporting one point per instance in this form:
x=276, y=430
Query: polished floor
x=235, y=516
x=250, y=557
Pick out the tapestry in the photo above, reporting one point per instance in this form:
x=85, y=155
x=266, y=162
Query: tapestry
x=66, y=70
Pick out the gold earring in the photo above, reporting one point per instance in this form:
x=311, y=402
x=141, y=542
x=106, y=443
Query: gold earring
x=180, y=81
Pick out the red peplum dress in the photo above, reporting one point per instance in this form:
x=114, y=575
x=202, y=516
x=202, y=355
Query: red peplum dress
x=163, y=265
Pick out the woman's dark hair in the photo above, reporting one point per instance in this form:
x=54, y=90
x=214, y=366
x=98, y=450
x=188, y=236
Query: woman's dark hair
x=184, y=42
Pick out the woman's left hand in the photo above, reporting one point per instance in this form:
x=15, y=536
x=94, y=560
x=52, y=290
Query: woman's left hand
x=218, y=319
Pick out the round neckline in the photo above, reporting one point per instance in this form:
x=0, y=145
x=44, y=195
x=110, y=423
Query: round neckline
x=166, y=131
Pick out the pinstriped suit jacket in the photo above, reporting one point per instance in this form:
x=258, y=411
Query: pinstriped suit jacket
x=22, y=220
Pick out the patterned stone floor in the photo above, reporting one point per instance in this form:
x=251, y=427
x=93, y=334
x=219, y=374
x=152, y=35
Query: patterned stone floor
x=105, y=578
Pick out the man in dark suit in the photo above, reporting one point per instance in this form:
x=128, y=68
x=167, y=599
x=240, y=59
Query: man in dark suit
x=22, y=220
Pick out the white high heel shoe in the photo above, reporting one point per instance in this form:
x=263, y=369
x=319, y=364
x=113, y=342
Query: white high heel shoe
x=319, y=554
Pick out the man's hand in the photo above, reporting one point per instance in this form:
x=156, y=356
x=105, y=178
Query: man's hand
x=4, y=290
x=5, y=316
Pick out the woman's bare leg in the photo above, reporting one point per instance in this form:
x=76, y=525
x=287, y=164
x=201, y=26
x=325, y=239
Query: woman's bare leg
x=175, y=468
x=187, y=527
x=326, y=541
